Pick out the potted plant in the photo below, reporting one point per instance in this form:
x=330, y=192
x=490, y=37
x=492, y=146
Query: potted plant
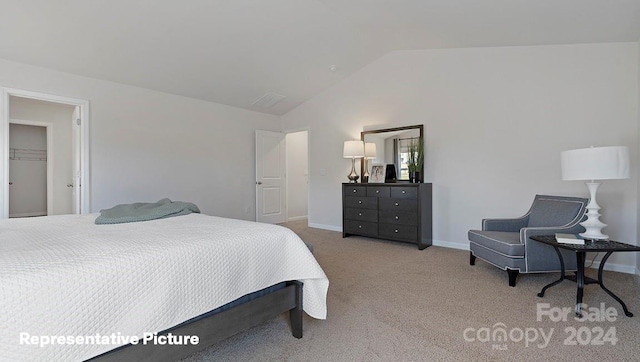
x=415, y=159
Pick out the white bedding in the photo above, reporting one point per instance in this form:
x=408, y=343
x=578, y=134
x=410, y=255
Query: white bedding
x=66, y=276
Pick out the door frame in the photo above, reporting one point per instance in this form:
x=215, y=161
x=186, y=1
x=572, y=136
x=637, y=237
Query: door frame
x=5, y=94
x=49, y=129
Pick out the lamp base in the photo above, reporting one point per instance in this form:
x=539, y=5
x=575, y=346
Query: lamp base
x=593, y=225
x=353, y=176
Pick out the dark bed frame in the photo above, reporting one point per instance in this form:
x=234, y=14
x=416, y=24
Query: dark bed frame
x=219, y=326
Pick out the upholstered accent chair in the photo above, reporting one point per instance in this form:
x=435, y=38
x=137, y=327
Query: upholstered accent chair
x=506, y=243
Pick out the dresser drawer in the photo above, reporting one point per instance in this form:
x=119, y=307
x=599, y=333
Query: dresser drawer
x=398, y=204
x=379, y=191
x=399, y=232
x=355, y=191
x=360, y=227
x=398, y=217
x=361, y=202
x=404, y=192
x=361, y=214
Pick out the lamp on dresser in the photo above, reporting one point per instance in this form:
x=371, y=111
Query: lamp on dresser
x=369, y=154
x=591, y=164
x=353, y=150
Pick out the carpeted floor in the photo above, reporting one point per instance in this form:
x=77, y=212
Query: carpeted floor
x=389, y=301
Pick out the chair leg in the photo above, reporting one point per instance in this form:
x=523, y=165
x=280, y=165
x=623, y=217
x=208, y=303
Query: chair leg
x=513, y=274
x=472, y=258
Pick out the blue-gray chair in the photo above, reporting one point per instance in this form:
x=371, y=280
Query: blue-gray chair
x=505, y=243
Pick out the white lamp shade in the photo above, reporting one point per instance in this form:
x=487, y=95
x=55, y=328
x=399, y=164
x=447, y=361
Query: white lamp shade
x=353, y=149
x=370, y=150
x=595, y=163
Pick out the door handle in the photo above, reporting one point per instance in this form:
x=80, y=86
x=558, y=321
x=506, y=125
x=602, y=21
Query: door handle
x=10, y=183
x=69, y=185
x=259, y=183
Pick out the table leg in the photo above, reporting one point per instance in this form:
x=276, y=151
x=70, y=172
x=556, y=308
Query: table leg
x=600, y=269
x=580, y=258
x=541, y=294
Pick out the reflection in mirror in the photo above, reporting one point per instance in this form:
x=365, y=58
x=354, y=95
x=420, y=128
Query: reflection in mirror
x=392, y=148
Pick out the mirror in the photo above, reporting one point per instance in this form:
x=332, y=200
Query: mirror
x=391, y=149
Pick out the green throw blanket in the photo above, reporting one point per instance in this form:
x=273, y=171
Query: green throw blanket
x=144, y=211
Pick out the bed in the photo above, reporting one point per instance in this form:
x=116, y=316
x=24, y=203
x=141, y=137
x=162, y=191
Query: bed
x=71, y=290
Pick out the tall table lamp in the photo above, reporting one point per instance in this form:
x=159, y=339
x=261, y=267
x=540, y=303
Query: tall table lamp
x=369, y=154
x=591, y=164
x=353, y=150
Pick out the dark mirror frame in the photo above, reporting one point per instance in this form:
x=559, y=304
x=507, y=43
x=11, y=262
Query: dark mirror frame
x=395, y=129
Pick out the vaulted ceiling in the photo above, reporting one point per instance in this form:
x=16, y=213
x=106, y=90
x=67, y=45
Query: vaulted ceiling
x=235, y=51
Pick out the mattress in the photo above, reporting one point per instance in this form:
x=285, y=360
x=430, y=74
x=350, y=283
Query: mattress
x=65, y=277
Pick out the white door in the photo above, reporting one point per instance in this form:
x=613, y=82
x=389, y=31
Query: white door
x=270, y=177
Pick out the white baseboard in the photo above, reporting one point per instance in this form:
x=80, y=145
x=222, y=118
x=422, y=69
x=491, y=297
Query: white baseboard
x=450, y=245
x=296, y=218
x=628, y=269
x=325, y=227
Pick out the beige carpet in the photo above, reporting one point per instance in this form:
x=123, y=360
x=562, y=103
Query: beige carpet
x=389, y=301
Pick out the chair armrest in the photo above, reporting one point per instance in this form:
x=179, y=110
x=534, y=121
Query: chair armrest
x=541, y=257
x=512, y=225
x=526, y=233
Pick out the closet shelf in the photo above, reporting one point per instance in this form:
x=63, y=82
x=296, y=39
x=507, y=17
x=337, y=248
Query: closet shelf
x=25, y=154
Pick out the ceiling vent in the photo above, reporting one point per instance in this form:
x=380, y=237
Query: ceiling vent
x=268, y=100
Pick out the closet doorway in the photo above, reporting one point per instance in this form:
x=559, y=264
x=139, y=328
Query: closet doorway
x=29, y=168
x=43, y=154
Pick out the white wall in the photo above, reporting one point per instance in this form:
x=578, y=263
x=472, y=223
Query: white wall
x=60, y=115
x=146, y=145
x=297, y=175
x=496, y=120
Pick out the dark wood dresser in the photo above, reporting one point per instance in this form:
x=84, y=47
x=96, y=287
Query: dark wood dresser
x=398, y=211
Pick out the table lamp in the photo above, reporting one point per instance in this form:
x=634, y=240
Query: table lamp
x=590, y=164
x=353, y=150
x=369, y=154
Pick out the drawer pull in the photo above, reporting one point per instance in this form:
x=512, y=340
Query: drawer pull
x=397, y=204
x=354, y=191
x=359, y=226
x=359, y=201
x=397, y=218
x=377, y=191
x=396, y=230
x=404, y=192
x=359, y=214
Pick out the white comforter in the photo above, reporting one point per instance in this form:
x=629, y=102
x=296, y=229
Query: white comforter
x=66, y=276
